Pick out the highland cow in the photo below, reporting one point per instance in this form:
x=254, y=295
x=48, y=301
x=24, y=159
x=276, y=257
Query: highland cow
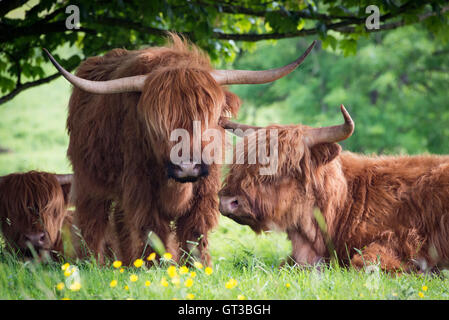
x=35, y=216
x=390, y=210
x=122, y=111
x=33, y=209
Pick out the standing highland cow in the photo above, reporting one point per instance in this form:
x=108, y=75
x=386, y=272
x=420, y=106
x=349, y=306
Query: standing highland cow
x=393, y=209
x=122, y=112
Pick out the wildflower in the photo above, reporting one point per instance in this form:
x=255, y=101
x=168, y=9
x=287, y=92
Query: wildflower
x=424, y=288
x=188, y=283
x=76, y=286
x=420, y=294
x=113, y=283
x=67, y=272
x=164, y=282
x=231, y=284
x=192, y=274
x=394, y=294
x=183, y=270
x=167, y=256
x=361, y=295
x=152, y=256
x=138, y=263
x=198, y=265
x=126, y=287
x=117, y=264
x=208, y=271
x=190, y=296
x=241, y=297
x=65, y=298
x=133, y=278
x=147, y=283
x=172, y=271
x=65, y=266
x=122, y=270
x=60, y=286
x=288, y=285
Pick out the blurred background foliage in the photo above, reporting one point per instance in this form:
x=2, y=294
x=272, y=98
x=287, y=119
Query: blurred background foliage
x=395, y=88
x=393, y=82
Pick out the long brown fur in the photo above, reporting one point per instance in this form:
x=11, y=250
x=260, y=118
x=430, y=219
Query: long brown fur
x=35, y=202
x=119, y=146
x=32, y=202
x=394, y=209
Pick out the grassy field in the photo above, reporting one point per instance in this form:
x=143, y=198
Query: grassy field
x=32, y=127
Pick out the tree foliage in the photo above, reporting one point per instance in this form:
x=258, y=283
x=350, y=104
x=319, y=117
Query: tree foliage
x=221, y=27
x=396, y=90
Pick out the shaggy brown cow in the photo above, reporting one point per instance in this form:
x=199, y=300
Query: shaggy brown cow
x=33, y=208
x=34, y=212
x=122, y=111
x=392, y=208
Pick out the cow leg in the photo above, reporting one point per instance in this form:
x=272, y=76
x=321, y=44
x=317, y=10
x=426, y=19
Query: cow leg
x=303, y=252
x=133, y=227
x=375, y=252
x=193, y=227
x=91, y=218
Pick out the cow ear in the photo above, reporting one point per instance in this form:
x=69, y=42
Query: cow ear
x=232, y=103
x=324, y=153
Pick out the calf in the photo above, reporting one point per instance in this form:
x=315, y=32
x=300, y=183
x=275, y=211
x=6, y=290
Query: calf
x=33, y=208
x=388, y=209
x=34, y=216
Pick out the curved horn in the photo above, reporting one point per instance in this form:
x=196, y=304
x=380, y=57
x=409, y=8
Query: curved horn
x=256, y=77
x=128, y=84
x=64, y=178
x=239, y=129
x=331, y=134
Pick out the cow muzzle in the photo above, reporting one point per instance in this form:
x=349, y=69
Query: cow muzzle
x=187, y=171
x=228, y=205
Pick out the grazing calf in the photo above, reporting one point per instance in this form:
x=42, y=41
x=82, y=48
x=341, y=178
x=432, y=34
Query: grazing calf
x=33, y=208
x=392, y=209
x=34, y=214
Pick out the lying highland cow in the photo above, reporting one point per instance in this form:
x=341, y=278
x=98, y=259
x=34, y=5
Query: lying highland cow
x=34, y=215
x=392, y=209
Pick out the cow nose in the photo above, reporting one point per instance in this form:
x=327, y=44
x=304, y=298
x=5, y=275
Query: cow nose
x=228, y=205
x=37, y=239
x=187, y=171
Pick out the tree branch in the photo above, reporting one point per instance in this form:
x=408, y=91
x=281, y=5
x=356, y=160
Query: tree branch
x=27, y=85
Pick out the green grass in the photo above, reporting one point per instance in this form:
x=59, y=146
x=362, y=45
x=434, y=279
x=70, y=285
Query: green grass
x=32, y=126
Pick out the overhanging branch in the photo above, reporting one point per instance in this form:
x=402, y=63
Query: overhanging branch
x=27, y=85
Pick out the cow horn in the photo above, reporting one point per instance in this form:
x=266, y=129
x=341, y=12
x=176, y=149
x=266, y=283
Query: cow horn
x=224, y=77
x=64, y=178
x=128, y=84
x=331, y=134
x=241, y=128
